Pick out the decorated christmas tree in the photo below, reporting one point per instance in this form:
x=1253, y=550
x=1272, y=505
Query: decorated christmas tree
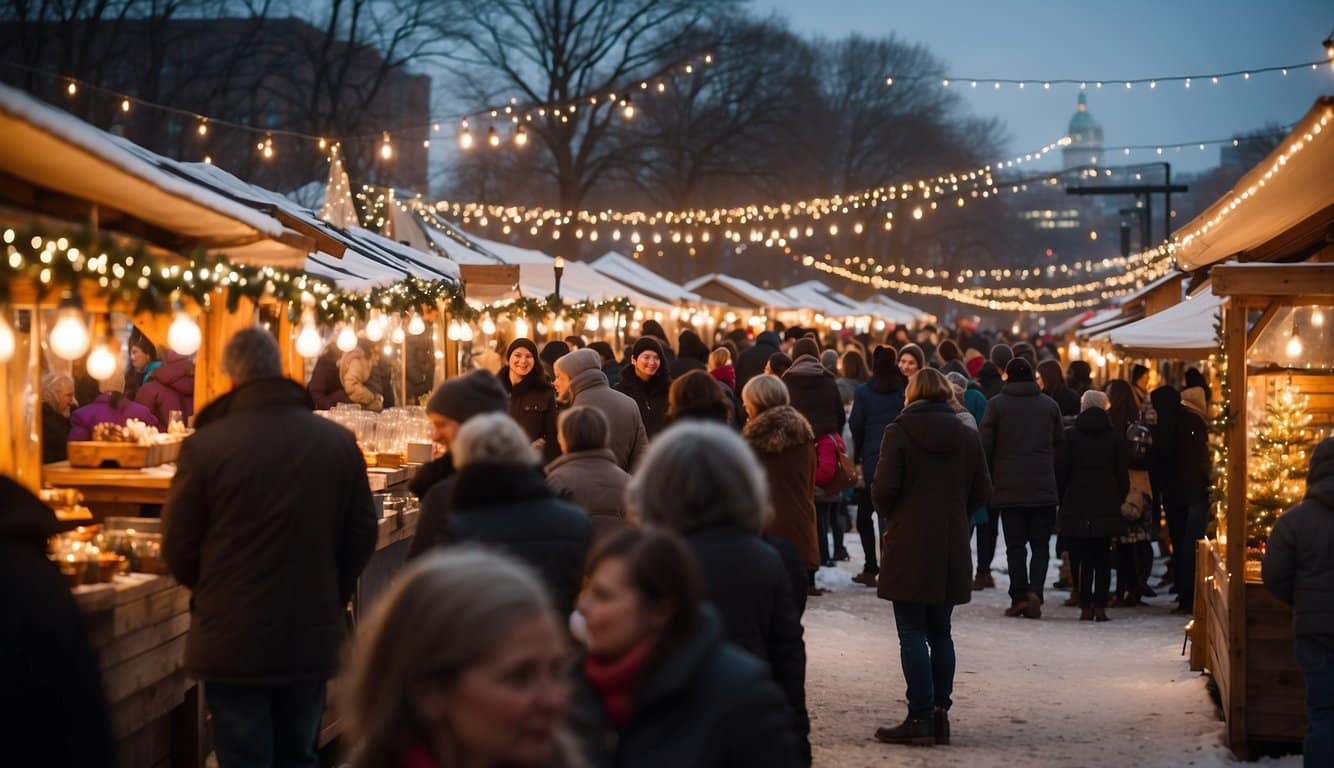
x=1279, y=460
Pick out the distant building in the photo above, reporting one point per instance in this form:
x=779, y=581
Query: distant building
x=278, y=74
x=1085, y=133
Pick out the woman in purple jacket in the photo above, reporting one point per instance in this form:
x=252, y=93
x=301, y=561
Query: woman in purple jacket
x=110, y=407
x=169, y=387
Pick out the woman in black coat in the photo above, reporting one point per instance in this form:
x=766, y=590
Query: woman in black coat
x=1093, y=474
x=701, y=480
x=692, y=354
x=930, y=477
x=659, y=687
x=648, y=383
x=1052, y=381
x=532, y=398
x=326, y=386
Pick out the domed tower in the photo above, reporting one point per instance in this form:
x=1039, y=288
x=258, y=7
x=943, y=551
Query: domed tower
x=1085, y=134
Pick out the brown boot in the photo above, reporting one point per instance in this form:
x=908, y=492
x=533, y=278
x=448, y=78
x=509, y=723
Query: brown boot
x=916, y=732
x=1086, y=613
x=1100, y=614
x=942, y=726
x=1032, y=607
x=865, y=578
x=1017, y=608
x=1072, y=600
x=978, y=583
x=988, y=581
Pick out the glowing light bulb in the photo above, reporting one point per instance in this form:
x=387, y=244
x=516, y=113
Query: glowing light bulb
x=453, y=333
x=465, y=332
x=7, y=342
x=917, y=212
x=347, y=338
x=1294, y=347
x=386, y=149
x=628, y=109
x=1317, y=318
x=69, y=336
x=375, y=328
x=521, y=328
x=492, y=137
x=124, y=105
x=203, y=128
x=416, y=326
x=521, y=137
x=398, y=337
x=308, y=342
x=71, y=89
x=184, y=336
x=102, y=363
x=591, y=324
x=465, y=138
x=489, y=326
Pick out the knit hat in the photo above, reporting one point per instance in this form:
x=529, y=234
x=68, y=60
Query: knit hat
x=974, y=364
x=957, y=379
x=1018, y=369
x=553, y=351
x=646, y=344
x=948, y=351
x=1001, y=355
x=1192, y=399
x=916, y=352
x=466, y=396
x=654, y=328
x=1094, y=398
x=1025, y=350
x=579, y=361
x=521, y=343
x=805, y=346
x=829, y=359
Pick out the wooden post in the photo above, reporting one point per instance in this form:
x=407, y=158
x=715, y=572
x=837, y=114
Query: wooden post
x=1234, y=339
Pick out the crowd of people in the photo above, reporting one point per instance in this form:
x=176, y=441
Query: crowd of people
x=613, y=557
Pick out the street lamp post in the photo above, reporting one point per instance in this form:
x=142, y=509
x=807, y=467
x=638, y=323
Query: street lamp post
x=558, y=266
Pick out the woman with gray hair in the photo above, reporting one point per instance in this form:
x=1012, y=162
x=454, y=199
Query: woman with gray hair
x=702, y=481
x=1093, y=475
x=57, y=402
x=586, y=472
x=501, y=500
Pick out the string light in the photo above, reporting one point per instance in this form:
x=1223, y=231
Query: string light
x=465, y=137
x=628, y=109
x=492, y=137
x=184, y=336
x=202, y=130
x=346, y=341
x=308, y=342
x=386, y=149
x=124, y=105
x=69, y=336
x=102, y=363
x=72, y=88
x=1082, y=83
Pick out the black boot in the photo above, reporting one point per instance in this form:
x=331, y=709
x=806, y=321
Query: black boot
x=914, y=731
x=942, y=726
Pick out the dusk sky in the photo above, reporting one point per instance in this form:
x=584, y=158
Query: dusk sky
x=1040, y=39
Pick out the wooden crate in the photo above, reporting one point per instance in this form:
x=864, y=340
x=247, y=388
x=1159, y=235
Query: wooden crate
x=94, y=454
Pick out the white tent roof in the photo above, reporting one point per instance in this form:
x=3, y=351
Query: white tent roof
x=894, y=311
x=749, y=294
x=630, y=272
x=817, y=296
x=1287, y=187
x=1184, y=330
x=52, y=149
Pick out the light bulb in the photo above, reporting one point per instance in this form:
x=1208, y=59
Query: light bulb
x=521, y=137
x=416, y=326
x=7, y=342
x=629, y=110
x=308, y=342
x=347, y=338
x=465, y=139
x=591, y=324
x=102, y=362
x=521, y=328
x=541, y=327
x=69, y=336
x=1317, y=318
x=397, y=336
x=375, y=327
x=489, y=326
x=465, y=332
x=386, y=149
x=1294, y=348
x=184, y=336
x=492, y=137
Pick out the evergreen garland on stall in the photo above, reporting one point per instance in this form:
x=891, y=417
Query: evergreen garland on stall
x=1220, y=426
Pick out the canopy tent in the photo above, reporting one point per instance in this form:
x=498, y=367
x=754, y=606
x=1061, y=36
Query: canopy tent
x=1185, y=331
x=630, y=272
x=1285, y=199
x=816, y=296
x=896, y=312
x=736, y=292
x=53, y=160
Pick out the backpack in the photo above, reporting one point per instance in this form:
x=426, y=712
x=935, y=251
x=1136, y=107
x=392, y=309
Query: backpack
x=1140, y=439
x=843, y=472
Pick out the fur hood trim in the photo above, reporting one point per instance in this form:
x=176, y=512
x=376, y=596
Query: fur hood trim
x=777, y=430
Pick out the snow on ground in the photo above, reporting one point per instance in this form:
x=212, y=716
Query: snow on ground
x=1052, y=692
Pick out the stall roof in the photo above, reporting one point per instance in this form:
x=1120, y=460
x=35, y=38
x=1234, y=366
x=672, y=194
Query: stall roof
x=817, y=296
x=737, y=292
x=895, y=311
x=1183, y=331
x=50, y=149
x=1287, y=188
x=630, y=272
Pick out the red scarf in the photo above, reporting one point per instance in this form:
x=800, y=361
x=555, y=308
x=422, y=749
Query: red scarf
x=418, y=756
x=613, y=680
x=726, y=374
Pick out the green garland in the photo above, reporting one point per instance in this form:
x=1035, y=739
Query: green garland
x=148, y=283
x=1220, y=426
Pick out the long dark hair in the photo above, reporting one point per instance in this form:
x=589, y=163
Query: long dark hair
x=885, y=374
x=854, y=366
x=1053, y=379
x=661, y=571
x=697, y=395
x=1121, y=409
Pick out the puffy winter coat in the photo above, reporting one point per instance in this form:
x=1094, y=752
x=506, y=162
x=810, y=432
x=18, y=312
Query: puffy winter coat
x=1021, y=432
x=931, y=476
x=785, y=446
x=814, y=394
x=650, y=396
x=170, y=387
x=750, y=363
x=875, y=405
x=990, y=380
x=1093, y=473
x=594, y=481
x=533, y=406
x=1299, y=558
x=100, y=411
x=326, y=386
x=354, y=372
x=746, y=582
x=53, y=706
x=269, y=522
x=510, y=507
x=624, y=421
x=709, y=704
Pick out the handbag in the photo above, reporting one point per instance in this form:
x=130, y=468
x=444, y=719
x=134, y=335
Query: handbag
x=845, y=469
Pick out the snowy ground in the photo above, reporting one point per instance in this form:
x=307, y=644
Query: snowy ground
x=1053, y=692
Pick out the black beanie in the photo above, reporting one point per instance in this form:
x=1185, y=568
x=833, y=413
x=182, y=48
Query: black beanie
x=466, y=396
x=521, y=343
x=646, y=343
x=553, y=351
x=1018, y=369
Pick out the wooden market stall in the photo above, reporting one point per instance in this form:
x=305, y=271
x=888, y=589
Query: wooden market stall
x=1274, y=231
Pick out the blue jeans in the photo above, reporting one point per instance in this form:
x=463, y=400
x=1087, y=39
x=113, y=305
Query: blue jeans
x=261, y=727
x=926, y=652
x=1316, y=658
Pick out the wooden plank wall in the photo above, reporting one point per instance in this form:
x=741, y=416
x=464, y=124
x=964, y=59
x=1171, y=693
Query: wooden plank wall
x=1275, y=690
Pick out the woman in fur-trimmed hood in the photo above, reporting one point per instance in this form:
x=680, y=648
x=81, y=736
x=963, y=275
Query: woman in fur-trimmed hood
x=782, y=439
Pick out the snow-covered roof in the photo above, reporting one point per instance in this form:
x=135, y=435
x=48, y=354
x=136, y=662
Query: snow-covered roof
x=1289, y=186
x=817, y=296
x=895, y=311
x=630, y=272
x=1185, y=330
x=737, y=292
x=52, y=149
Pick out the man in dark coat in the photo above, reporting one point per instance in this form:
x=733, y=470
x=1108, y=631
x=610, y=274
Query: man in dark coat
x=751, y=362
x=268, y=522
x=452, y=404
x=1299, y=570
x=1021, y=433
x=814, y=392
x=1093, y=475
x=692, y=354
x=52, y=706
x=1193, y=476
x=57, y=401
